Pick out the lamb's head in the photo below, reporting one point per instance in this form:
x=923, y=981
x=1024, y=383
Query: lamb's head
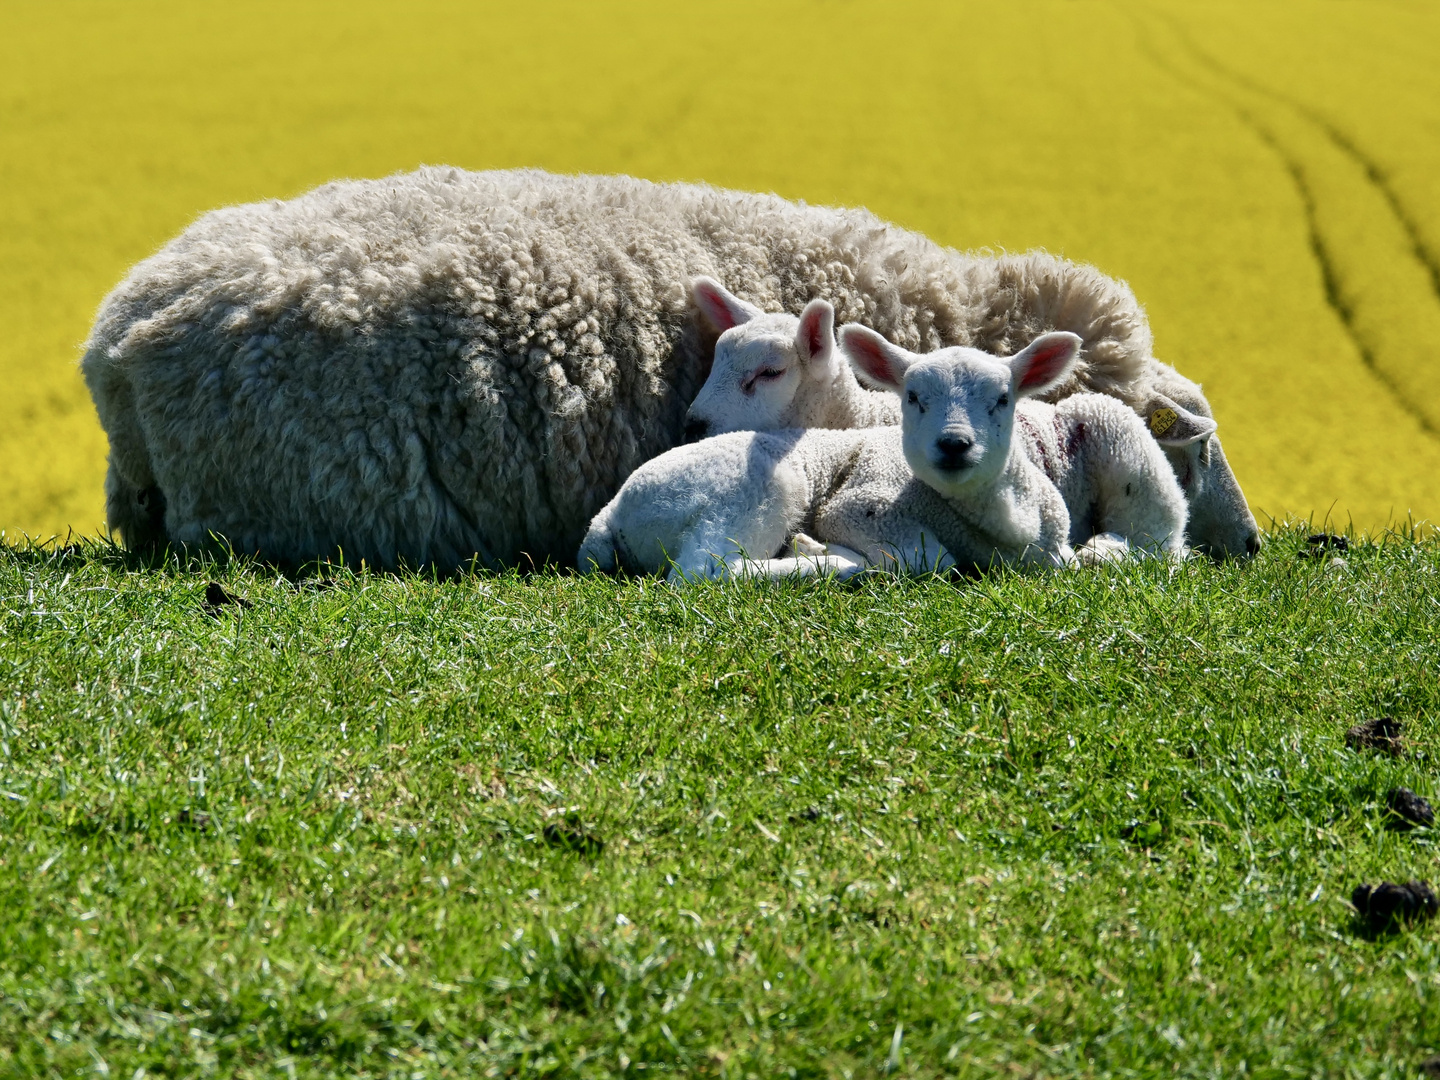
x=769, y=370
x=957, y=413
x=1220, y=522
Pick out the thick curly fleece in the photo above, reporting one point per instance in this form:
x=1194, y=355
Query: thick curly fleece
x=443, y=365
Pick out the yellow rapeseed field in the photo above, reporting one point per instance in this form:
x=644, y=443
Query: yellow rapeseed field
x=1265, y=174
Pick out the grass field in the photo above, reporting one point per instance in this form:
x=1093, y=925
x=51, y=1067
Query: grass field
x=1264, y=174
x=1102, y=824
x=1090, y=824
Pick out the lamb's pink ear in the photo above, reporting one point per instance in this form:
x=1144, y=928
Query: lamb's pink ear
x=719, y=307
x=875, y=359
x=1175, y=425
x=815, y=339
x=1044, y=362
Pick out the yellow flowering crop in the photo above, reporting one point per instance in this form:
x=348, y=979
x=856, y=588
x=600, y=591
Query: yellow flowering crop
x=1265, y=174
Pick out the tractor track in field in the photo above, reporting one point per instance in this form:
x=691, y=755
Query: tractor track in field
x=1377, y=176
x=1295, y=169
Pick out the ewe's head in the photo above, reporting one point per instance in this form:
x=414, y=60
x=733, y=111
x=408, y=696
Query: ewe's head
x=957, y=408
x=1220, y=523
x=763, y=363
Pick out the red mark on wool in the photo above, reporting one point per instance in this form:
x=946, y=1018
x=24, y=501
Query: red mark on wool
x=1037, y=444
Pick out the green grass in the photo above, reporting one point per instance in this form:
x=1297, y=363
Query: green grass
x=1098, y=823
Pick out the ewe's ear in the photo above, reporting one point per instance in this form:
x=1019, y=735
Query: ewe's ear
x=875, y=359
x=719, y=307
x=1175, y=425
x=1044, y=362
x=815, y=340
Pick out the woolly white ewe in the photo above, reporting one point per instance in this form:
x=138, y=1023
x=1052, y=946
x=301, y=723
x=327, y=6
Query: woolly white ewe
x=443, y=365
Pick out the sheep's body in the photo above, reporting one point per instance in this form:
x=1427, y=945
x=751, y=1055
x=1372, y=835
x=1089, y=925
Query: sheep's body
x=771, y=371
x=443, y=364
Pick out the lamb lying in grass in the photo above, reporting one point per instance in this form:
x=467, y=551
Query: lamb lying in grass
x=778, y=371
x=950, y=487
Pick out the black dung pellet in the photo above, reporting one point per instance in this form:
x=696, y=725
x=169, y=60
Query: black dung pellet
x=1409, y=809
x=1383, y=734
x=567, y=838
x=1389, y=903
x=217, y=599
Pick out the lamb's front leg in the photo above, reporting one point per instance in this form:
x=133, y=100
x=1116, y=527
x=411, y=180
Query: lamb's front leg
x=839, y=567
x=810, y=558
x=726, y=542
x=804, y=544
x=1102, y=548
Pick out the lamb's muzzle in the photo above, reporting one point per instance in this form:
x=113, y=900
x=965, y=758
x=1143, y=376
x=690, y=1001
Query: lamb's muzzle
x=951, y=452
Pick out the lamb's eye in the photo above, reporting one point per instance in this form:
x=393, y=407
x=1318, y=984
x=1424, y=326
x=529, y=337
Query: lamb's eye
x=1004, y=400
x=910, y=397
x=769, y=373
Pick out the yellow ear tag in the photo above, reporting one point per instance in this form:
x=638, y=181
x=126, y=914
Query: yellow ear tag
x=1162, y=420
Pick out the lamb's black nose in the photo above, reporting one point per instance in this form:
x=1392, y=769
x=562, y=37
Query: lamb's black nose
x=950, y=451
x=1252, y=544
x=695, y=430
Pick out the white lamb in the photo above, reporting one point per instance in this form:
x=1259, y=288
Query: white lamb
x=444, y=365
x=775, y=371
x=1120, y=492
x=950, y=487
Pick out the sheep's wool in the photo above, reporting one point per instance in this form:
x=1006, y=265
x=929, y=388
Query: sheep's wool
x=444, y=365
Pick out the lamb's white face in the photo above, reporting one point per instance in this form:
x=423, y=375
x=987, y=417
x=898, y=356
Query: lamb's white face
x=957, y=416
x=957, y=410
x=756, y=373
x=763, y=363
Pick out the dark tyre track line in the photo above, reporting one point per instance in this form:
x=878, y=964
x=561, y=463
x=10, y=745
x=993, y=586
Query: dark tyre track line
x=1330, y=279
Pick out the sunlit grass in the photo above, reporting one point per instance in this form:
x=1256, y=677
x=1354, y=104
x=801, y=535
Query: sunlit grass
x=1094, y=824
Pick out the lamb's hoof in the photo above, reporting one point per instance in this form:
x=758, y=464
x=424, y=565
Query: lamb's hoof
x=1385, y=905
x=853, y=575
x=1088, y=556
x=1103, y=548
x=801, y=544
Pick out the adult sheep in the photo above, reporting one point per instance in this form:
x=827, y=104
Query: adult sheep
x=444, y=365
